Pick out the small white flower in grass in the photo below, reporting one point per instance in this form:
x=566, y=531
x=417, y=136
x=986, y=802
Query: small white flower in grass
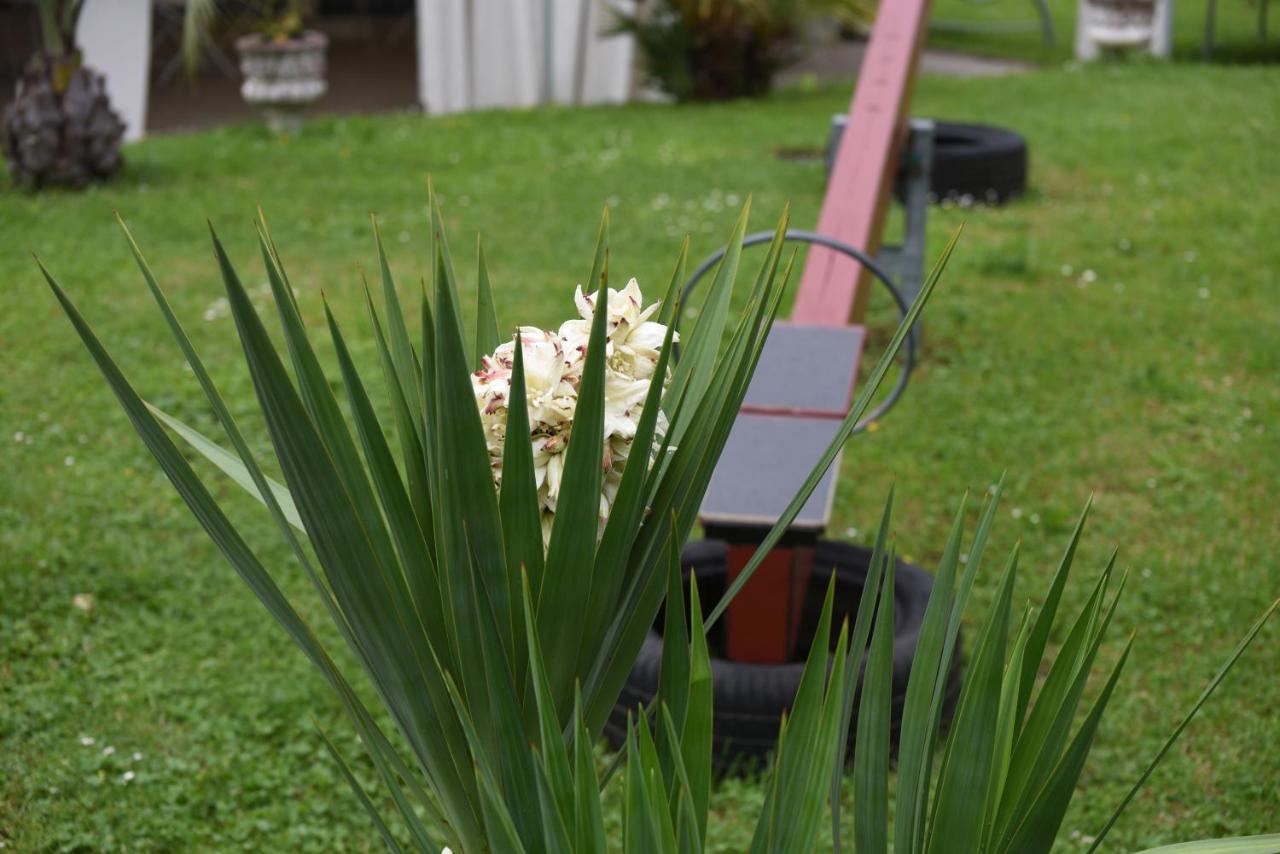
x=86, y=740
x=1088, y=276
x=108, y=750
x=68, y=461
x=19, y=436
x=137, y=757
x=1204, y=293
x=220, y=307
x=127, y=777
x=1016, y=513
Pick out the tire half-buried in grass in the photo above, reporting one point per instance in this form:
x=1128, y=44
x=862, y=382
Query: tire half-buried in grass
x=749, y=698
x=972, y=163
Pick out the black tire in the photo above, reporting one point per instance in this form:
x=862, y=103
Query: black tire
x=978, y=163
x=972, y=163
x=749, y=699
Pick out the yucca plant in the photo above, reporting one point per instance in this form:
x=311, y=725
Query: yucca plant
x=498, y=650
x=1010, y=765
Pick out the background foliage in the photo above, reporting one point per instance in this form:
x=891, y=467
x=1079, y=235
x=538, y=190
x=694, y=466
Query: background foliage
x=1151, y=382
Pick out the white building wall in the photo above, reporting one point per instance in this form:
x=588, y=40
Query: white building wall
x=115, y=36
x=474, y=54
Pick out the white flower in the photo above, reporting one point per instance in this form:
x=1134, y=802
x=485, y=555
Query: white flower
x=634, y=340
x=553, y=364
x=623, y=401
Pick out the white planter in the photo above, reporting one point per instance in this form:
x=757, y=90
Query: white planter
x=1120, y=24
x=282, y=78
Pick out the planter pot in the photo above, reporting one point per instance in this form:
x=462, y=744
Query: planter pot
x=1120, y=24
x=281, y=78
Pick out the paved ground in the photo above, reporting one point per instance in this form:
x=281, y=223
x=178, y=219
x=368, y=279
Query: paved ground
x=373, y=68
x=839, y=60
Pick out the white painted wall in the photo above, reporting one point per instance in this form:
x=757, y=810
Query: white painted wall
x=474, y=54
x=115, y=36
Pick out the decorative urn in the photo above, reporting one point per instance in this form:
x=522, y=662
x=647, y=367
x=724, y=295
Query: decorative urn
x=283, y=76
x=1120, y=24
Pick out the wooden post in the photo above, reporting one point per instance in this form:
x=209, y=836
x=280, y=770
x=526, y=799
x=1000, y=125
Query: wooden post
x=833, y=290
x=762, y=620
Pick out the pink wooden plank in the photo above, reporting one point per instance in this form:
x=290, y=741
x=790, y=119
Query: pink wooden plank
x=832, y=290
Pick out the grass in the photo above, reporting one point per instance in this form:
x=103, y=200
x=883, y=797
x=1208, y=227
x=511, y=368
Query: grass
x=1011, y=28
x=1112, y=333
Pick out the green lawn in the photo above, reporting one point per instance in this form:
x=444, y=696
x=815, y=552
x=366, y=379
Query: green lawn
x=1012, y=28
x=1114, y=333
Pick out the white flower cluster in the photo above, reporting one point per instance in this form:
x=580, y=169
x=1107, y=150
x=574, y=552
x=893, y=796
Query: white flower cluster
x=553, y=363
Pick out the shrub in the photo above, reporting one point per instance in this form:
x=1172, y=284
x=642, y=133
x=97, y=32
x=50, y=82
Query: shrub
x=697, y=50
x=498, y=651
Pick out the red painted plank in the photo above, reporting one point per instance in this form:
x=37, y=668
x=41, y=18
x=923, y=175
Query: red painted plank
x=832, y=290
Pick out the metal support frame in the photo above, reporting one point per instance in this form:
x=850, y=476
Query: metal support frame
x=1210, y=18
x=906, y=260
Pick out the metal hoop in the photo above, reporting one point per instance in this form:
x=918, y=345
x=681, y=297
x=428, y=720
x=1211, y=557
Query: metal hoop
x=873, y=266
